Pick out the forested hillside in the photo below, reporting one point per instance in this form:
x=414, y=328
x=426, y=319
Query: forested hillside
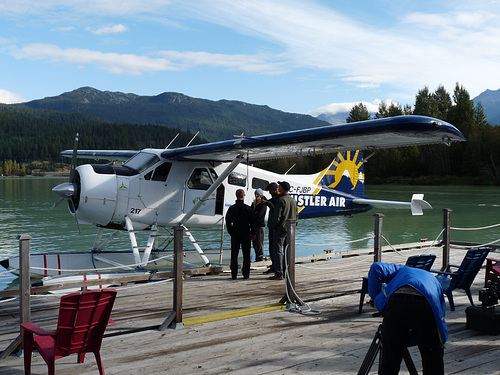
x=28, y=136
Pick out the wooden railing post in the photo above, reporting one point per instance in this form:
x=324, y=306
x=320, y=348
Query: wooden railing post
x=24, y=294
x=446, y=238
x=174, y=320
x=377, y=242
x=24, y=278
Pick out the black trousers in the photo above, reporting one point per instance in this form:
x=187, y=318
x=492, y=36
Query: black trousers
x=245, y=242
x=405, y=313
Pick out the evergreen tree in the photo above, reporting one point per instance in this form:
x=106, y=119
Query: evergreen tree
x=358, y=113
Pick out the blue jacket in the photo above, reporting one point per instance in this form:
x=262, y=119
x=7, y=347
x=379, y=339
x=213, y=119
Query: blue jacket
x=395, y=276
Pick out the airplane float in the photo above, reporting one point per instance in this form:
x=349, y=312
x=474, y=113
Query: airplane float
x=193, y=186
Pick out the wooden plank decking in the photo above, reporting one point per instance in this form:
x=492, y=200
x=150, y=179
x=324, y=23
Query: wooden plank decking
x=331, y=339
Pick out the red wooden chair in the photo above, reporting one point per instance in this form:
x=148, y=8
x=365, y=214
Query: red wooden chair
x=83, y=317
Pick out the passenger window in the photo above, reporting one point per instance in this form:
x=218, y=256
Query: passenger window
x=259, y=183
x=237, y=179
x=200, y=179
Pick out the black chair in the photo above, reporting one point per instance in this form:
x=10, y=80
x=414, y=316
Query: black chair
x=464, y=276
x=424, y=262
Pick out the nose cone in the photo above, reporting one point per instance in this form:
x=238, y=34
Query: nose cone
x=65, y=190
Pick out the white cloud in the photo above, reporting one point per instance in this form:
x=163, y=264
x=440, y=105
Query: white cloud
x=408, y=52
x=335, y=108
x=135, y=65
x=260, y=63
x=405, y=52
x=110, y=30
x=7, y=97
x=111, y=62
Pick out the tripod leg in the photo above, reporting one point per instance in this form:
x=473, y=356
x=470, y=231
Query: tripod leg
x=373, y=350
x=409, y=362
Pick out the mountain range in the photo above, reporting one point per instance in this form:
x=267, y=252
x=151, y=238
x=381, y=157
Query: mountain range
x=490, y=101
x=216, y=120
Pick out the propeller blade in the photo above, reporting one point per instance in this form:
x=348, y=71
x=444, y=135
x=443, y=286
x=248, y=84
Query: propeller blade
x=57, y=203
x=73, y=159
x=70, y=202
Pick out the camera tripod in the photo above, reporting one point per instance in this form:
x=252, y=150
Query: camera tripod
x=375, y=348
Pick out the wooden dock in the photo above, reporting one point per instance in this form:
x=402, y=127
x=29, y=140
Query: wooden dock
x=237, y=327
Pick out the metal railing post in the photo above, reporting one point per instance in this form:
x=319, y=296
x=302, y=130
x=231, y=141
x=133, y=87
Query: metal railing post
x=377, y=242
x=446, y=238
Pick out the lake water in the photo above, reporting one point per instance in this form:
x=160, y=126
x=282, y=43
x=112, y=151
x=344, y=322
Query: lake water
x=26, y=208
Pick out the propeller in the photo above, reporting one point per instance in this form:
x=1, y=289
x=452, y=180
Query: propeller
x=69, y=190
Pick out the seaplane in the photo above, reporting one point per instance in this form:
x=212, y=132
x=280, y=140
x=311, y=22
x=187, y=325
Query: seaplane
x=193, y=186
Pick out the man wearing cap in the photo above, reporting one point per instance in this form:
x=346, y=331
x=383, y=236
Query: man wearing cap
x=272, y=188
x=259, y=210
x=285, y=209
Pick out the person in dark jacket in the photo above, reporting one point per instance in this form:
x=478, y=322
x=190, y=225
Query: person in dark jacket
x=412, y=301
x=284, y=210
x=239, y=227
x=259, y=209
x=272, y=188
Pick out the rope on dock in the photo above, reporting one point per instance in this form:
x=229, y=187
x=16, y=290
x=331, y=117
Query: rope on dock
x=355, y=261
x=9, y=271
x=481, y=245
x=478, y=228
x=337, y=243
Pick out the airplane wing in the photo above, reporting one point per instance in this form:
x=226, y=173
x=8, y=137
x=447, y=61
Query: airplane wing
x=101, y=154
x=388, y=132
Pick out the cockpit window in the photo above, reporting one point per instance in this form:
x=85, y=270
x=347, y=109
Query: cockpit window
x=160, y=173
x=141, y=161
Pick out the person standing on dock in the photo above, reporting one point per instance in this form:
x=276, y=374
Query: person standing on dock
x=285, y=209
x=259, y=210
x=239, y=227
x=272, y=188
x=411, y=302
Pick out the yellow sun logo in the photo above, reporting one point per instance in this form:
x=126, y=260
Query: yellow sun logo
x=347, y=167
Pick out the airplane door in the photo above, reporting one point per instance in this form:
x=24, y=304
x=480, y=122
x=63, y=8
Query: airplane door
x=198, y=183
x=147, y=194
x=154, y=186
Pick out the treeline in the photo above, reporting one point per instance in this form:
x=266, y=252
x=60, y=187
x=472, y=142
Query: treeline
x=28, y=139
x=476, y=161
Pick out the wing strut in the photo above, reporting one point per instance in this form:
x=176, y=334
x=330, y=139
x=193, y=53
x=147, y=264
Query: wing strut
x=212, y=188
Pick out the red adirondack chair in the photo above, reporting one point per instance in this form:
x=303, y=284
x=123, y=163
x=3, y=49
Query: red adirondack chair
x=83, y=317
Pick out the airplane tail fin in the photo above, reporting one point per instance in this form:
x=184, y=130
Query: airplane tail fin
x=345, y=173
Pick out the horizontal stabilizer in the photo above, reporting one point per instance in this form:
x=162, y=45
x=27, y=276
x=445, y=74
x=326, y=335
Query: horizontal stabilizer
x=417, y=204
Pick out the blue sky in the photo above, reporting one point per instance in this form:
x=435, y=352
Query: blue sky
x=295, y=56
